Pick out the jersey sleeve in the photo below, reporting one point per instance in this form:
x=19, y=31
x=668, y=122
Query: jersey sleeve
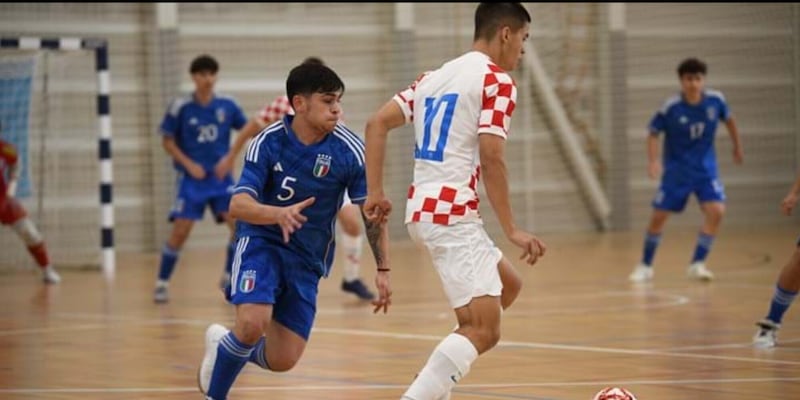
x=724, y=110
x=405, y=99
x=255, y=171
x=239, y=118
x=171, y=124
x=357, y=186
x=657, y=123
x=275, y=110
x=499, y=101
x=8, y=153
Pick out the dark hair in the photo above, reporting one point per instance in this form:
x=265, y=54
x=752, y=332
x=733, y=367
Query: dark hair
x=313, y=60
x=692, y=66
x=204, y=63
x=489, y=17
x=307, y=79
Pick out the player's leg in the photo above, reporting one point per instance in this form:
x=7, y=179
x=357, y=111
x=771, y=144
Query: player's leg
x=786, y=290
x=458, y=251
x=12, y=213
x=670, y=198
x=257, y=278
x=293, y=317
x=711, y=195
x=349, y=219
x=512, y=282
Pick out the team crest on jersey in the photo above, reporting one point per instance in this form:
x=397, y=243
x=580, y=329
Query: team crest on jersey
x=221, y=115
x=683, y=119
x=322, y=166
x=193, y=121
x=248, y=281
x=711, y=112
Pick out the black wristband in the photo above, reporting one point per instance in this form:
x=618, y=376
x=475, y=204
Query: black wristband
x=384, y=269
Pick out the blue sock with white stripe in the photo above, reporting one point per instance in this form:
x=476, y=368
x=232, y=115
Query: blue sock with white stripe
x=651, y=241
x=232, y=355
x=169, y=257
x=258, y=357
x=704, y=242
x=781, y=301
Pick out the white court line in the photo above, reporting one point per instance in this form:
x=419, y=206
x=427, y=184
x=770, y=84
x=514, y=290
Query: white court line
x=51, y=330
x=298, y=388
x=534, y=345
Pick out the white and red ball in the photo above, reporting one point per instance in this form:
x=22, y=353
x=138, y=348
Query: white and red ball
x=614, y=393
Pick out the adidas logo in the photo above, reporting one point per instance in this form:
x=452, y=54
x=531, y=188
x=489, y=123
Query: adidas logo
x=277, y=167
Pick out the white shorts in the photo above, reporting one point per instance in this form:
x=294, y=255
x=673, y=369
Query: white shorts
x=465, y=258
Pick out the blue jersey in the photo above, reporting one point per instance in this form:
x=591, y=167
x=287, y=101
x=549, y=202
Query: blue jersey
x=689, y=135
x=203, y=132
x=279, y=170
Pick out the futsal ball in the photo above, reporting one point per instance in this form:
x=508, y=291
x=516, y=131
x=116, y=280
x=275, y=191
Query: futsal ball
x=614, y=393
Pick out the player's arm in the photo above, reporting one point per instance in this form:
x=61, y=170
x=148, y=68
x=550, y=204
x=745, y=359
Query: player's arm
x=495, y=172
x=247, y=129
x=653, y=162
x=790, y=200
x=245, y=207
x=733, y=131
x=194, y=169
x=377, y=232
x=388, y=117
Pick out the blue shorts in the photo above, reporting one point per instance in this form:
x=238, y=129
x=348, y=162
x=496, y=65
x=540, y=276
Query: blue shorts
x=194, y=195
x=265, y=273
x=673, y=194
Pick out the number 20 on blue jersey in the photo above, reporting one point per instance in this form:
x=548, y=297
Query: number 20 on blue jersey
x=433, y=142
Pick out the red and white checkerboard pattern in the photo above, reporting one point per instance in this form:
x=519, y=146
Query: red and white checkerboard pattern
x=275, y=110
x=445, y=190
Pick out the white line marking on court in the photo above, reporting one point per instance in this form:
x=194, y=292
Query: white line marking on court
x=52, y=330
x=533, y=345
x=394, y=387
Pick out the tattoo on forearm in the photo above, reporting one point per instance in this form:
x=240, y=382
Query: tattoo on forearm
x=374, y=237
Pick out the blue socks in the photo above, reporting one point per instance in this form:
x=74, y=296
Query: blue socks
x=704, y=242
x=651, y=241
x=781, y=301
x=257, y=356
x=169, y=257
x=232, y=355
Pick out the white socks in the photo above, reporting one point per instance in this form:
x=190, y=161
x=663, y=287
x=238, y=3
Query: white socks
x=449, y=362
x=352, y=251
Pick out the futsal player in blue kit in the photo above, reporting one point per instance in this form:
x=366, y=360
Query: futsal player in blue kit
x=295, y=174
x=196, y=134
x=689, y=123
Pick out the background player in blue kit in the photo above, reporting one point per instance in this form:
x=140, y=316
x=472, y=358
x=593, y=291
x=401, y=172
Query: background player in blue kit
x=292, y=186
x=689, y=122
x=197, y=132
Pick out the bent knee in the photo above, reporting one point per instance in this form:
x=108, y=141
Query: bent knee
x=281, y=364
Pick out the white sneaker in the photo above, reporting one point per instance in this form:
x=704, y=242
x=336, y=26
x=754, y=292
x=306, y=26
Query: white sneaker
x=767, y=335
x=50, y=276
x=642, y=273
x=214, y=334
x=699, y=271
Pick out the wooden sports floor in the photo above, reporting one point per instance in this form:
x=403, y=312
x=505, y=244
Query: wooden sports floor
x=577, y=327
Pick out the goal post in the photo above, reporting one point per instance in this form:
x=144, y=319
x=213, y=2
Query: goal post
x=99, y=47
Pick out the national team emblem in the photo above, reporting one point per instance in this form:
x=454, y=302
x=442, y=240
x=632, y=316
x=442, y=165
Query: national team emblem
x=221, y=115
x=683, y=119
x=711, y=112
x=322, y=166
x=248, y=281
x=193, y=121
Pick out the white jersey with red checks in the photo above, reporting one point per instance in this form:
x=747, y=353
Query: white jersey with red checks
x=275, y=110
x=449, y=108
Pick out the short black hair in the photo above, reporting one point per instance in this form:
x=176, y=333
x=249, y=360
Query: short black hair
x=489, y=17
x=307, y=79
x=204, y=63
x=313, y=60
x=692, y=66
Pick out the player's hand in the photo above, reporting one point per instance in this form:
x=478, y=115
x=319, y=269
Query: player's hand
x=788, y=203
x=738, y=156
x=11, y=190
x=654, y=169
x=384, y=299
x=532, y=247
x=290, y=219
x=223, y=167
x=196, y=171
x=377, y=207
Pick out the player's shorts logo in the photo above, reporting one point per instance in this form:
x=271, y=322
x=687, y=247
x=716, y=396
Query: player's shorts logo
x=322, y=166
x=248, y=281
